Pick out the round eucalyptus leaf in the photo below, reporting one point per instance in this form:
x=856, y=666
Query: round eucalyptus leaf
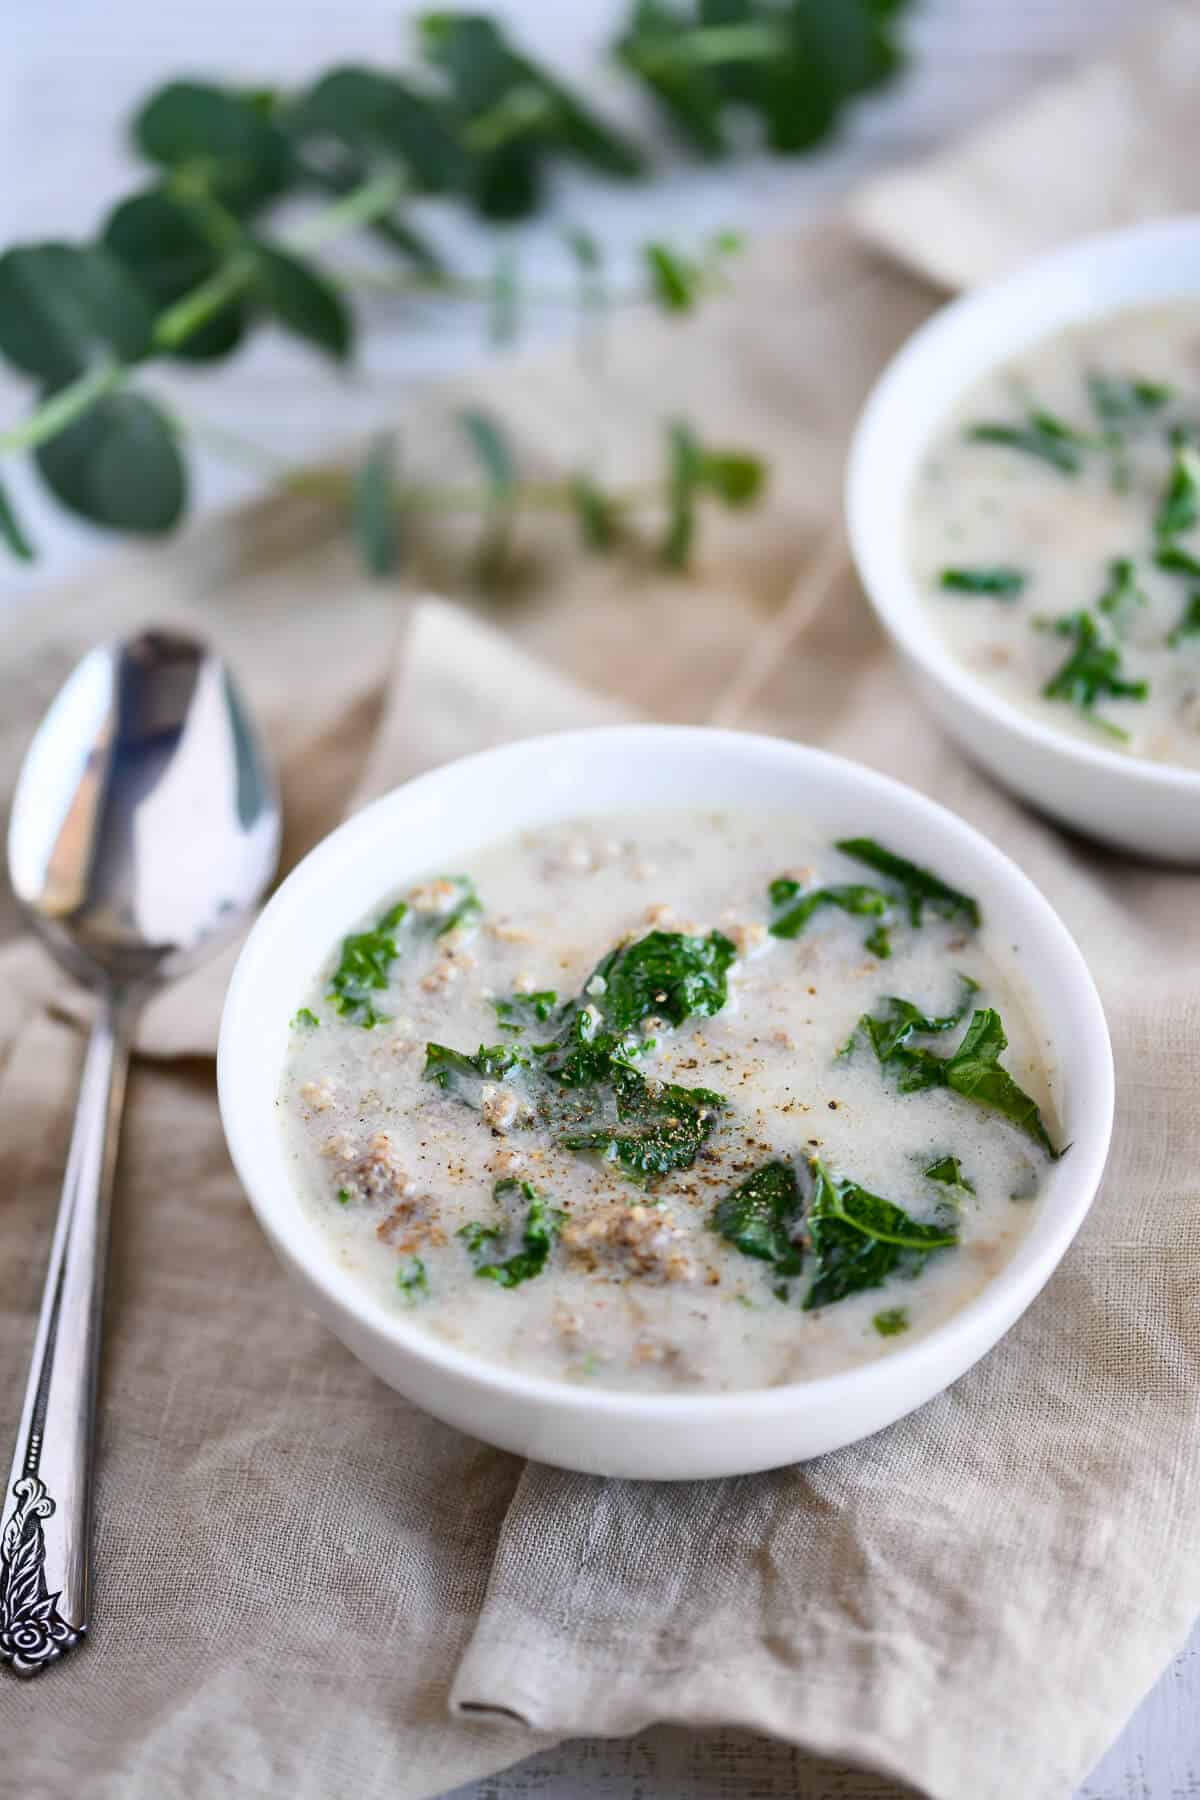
x=118, y=465
x=364, y=109
x=218, y=134
x=163, y=244
x=303, y=300
x=64, y=307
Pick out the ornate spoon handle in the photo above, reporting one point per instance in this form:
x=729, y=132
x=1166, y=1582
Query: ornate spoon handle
x=44, y=1538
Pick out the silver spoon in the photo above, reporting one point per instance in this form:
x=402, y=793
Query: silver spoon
x=145, y=826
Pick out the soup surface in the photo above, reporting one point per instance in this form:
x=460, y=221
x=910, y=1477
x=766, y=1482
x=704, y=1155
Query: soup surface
x=1056, y=532
x=625, y=1101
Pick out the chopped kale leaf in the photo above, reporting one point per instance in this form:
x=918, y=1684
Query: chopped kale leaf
x=891, y=1322
x=306, y=1020
x=1122, y=596
x=538, y=1233
x=920, y=887
x=858, y=1239
x=1092, y=671
x=666, y=973
x=761, y=1215
x=1120, y=400
x=947, y=1171
x=879, y=942
x=658, y=1126
x=1179, y=509
x=794, y=913
x=1042, y=434
x=363, y=968
x=521, y=1012
x=412, y=1279
x=999, y=581
x=1177, y=562
x=1189, y=622
x=464, y=1076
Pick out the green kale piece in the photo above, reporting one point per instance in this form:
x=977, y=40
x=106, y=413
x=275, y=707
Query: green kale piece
x=920, y=887
x=858, y=1239
x=1122, y=596
x=1041, y=434
x=363, y=968
x=891, y=1322
x=538, y=1233
x=947, y=1171
x=464, y=1076
x=1120, y=400
x=412, y=1280
x=658, y=1126
x=1092, y=672
x=791, y=919
x=305, y=1020
x=999, y=581
x=760, y=1216
x=1189, y=621
x=666, y=973
x=1179, y=509
x=521, y=1012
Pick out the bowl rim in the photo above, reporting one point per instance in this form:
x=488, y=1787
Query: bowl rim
x=1087, y=1075
x=882, y=566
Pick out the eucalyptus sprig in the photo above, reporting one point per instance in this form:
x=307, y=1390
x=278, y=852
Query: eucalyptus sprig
x=187, y=268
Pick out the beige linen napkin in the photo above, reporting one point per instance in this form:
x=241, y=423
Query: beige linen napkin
x=305, y=1586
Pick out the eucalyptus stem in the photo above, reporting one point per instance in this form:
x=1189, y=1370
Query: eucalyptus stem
x=185, y=316
x=63, y=408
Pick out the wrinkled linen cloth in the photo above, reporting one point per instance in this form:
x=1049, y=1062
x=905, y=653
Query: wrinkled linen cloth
x=306, y=1586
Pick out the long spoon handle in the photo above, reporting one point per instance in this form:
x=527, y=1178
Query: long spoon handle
x=44, y=1541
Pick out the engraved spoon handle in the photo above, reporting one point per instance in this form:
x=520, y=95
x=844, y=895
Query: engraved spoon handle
x=44, y=1538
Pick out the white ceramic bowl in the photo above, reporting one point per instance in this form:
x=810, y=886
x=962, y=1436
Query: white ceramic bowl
x=433, y=823
x=1152, y=809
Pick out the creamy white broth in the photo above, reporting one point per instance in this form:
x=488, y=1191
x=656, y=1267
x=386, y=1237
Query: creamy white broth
x=978, y=505
x=639, y=1291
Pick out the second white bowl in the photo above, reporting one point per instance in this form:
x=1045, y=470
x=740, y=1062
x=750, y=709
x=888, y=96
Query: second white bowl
x=1152, y=809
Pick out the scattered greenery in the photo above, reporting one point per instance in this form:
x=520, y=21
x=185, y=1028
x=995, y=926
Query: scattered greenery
x=538, y=1232
x=760, y=1217
x=793, y=910
x=367, y=956
x=919, y=887
x=187, y=268
x=999, y=582
x=521, y=1012
x=1123, y=596
x=858, y=1239
x=1040, y=434
x=1092, y=672
x=412, y=1280
x=891, y=1322
x=947, y=1171
x=1179, y=509
x=306, y=1019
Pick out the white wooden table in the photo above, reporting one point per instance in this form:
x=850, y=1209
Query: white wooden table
x=70, y=73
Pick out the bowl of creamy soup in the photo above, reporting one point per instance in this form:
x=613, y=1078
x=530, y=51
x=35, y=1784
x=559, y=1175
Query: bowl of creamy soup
x=664, y=1102
x=1023, y=497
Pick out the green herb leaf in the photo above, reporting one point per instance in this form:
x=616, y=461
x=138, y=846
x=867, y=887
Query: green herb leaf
x=598, y=516
x=464, y=1076
x=659, y=1126
x=412, y=1280
x=947, y=1172
x=496, y=458
x=220, y=138
x=879, y=942
x=521, y=1012
x=1125, y=399
x=674, y=279
x=64, y=308
x=999, y=581
x=891, y=1033
x=1042, y=435
x=684, y=477
x=1189, y=622
x=374, y=507
x=1179, y=509
x=974, y=1072
x=1122, y=596
x=118, y=464
x=305, y=1020
x=303, y=300
x=761, y=1215
x=735, y=477
x=858, y=1239
x=891, y=1322
x=667, y=973
x=164, y=245
x=366, y=958
x=1092, y=672
x=12, y=531
x=369, y=112
x=920, y=887
x=855, y=898
x=541, y=1227
x=1177, y=562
